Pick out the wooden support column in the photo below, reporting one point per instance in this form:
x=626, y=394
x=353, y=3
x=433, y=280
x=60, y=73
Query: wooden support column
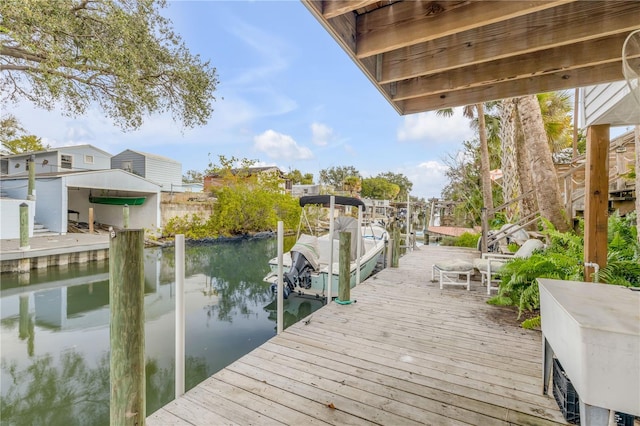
x=126, y=297
x=596, y=198
x=31, y=185
x=344, y=266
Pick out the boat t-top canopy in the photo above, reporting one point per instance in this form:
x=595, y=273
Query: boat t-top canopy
x=326, y=199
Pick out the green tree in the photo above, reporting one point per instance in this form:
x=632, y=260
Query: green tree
x=485, y=166
x=28, y=143
x=336, y=176
x=538, y=153
x=353, y=184
x=403, y=183
x=14, y=138
x=232, y=170
x=10, y=127
x=379, y=189
x=297, y=178
x=463, y=186
x=556, y=109
x=192, y=176
x=122, y=55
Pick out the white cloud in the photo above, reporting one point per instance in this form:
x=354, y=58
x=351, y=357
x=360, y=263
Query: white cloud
x=279, y=146
x=428, y=178
x=431, y=128
x=321, y=134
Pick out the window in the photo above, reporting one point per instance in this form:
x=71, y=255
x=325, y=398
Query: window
x=66, y=161
x=128, y=166
x=88, y=159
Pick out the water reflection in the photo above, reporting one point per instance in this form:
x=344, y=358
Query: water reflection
x=55, y=329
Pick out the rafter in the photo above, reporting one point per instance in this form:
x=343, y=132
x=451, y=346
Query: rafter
x=566, y=25
x=418, y=22
x=584, y=54
x=549, y=82
x=333, y=8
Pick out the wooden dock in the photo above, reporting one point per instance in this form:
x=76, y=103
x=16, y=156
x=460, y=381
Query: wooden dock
x=406, y=353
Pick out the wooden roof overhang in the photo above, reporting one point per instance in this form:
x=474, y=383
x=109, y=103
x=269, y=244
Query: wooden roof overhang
x=430, y=55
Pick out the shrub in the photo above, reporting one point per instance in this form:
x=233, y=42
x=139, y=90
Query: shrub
x=467, y=239
x=562, y=259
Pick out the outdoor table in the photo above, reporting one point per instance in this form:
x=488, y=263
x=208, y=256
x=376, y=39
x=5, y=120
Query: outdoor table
x=594, y=331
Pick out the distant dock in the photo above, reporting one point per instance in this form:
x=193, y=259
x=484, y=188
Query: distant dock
x=406, y=353
x=54, y=250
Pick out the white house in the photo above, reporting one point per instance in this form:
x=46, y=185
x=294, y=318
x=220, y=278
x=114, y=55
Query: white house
x=164, y=171
x=60, y=159
x=609, y=103
x=61, y=195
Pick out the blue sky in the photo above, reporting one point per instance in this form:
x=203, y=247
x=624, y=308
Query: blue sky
x=288, y=96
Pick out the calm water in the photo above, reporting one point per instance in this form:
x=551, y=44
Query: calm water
x=55, y=329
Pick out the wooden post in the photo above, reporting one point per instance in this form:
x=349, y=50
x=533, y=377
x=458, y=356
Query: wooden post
x=485, y=231
x=125, y=216
x=388, y=253
x=126, y=295
x=596, y=200
x=31, y=186
x=24, y=226
x=395, y=251
x=344, y=265
x=91, y=220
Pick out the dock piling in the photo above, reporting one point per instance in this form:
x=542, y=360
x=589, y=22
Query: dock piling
x=24, y=226
x=126, y=294
x=344, y=265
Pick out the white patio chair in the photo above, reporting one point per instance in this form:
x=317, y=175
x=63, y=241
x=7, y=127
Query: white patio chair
x=490, y=264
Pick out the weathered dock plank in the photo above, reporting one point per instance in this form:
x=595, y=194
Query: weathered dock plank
x=405, y=353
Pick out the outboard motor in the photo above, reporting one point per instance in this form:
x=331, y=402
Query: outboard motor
x=300, y=272
x=298, y=276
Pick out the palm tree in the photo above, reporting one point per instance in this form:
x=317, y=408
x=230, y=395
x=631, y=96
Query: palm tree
x=485, y=176
x=538, y=155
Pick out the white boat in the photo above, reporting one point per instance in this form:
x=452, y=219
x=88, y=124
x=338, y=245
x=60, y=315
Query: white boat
x=307, y=263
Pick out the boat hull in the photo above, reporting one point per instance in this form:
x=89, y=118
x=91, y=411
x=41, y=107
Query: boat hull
x=320, y=278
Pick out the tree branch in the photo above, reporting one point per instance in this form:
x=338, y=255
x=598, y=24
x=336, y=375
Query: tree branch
x=18, y=53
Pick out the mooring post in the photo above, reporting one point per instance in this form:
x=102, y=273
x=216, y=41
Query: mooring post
x=180, y=320
x=388, y=255
x=24, y=226
x=126, y=295
x=395, y=251
x=344, y=265
x=91, y=220
x=125, y=216
x=280, y=290
x=31, y=185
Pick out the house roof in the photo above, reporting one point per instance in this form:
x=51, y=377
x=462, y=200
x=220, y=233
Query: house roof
x=106, y=176
x=150, y=155
x=56, y=149
x=425, y=55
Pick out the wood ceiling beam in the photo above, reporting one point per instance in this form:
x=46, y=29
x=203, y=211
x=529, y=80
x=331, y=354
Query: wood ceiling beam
x=563, y=80
x=333, y=8
x=417, y=22
x=544, y=30
x=564, y=58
